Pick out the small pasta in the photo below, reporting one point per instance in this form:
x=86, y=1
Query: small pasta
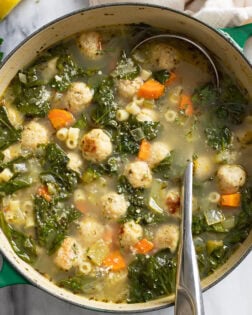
x=6, y=175
x=133, y=109
x=62, y=134
x=171, y=115
x=72, y=138
x=214, y=197
x=85, y=267
x=122, y=115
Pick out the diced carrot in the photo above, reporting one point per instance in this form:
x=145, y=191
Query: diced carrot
x=144, y=150
x=232, y=200
x=60, y=118
x=43, y=192
x=114, y=261
x=186, y=104
x=144, y=246
x=171, y=79
x=151, y=89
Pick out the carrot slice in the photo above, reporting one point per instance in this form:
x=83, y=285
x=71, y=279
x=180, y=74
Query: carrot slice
x=171, y=79
x=151, y=89
x=60, y=118
x=144, y=150
x=186, y=104
x=232, y=200
x=43, y=192
x=114, y=261
x=144, y=246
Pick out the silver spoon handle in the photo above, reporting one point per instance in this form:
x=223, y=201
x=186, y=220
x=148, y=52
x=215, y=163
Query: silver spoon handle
x=188, y=291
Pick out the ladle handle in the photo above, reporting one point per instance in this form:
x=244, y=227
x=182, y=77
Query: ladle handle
x=188, y=291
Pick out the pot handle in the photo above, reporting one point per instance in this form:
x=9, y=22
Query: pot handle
x=238, y=34
x=9, y=275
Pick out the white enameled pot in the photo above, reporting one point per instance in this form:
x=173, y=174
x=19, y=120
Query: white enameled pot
x=224, y=49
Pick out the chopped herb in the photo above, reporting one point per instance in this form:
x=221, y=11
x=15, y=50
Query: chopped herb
x=81, y=123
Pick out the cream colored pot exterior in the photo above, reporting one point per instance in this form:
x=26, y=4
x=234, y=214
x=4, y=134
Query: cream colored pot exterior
x=123, y=14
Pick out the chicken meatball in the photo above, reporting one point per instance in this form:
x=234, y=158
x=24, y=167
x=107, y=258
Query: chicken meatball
x=173, y=201
x=91, y=230
x=167, y=236
x=78, y=97
x=96, y=145
x=90, y=44
x=203, y=168
x=114, y=205
x=138, y=174
x=159, y=151
x=34, y=134
x=128, y=88
x=164, y=56
x=231, y=178
x=68, y=254
x=131, y=234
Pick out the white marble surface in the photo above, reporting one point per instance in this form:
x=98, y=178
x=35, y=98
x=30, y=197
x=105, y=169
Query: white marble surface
x=232, y=296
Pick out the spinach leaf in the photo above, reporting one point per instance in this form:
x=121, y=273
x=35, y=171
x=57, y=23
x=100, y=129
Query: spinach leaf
x=161, y=75
x=67, y=71
x=231, y=112
x=105, y=111
x=124, y=139
x=32, y=101
x=14, y=184
x=8, y=134
x=24, y=246
x=54, y=163
x=199, y=224
x=52, y=222
x=126, y=68
x=79, y=284
x=151, y=276
x=218, y=138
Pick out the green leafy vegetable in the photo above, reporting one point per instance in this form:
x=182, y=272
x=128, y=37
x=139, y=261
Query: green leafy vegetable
x=126, y=142
x=105, y=111
x=8, y=134
x=52, y=222
x=81, y=123
x=56, y=171
x=22, y=245
x=231, y=112
x=14, y=184
x=79, y=284
x=207, y=95
x=1, y=53
x=163, y=168
x=161, y=76
x=67, y=70
x=126, y=68
x=32, y=101
x=151, y=276
x=218, y=138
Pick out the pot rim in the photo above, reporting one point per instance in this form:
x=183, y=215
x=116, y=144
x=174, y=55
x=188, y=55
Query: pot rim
x=91, y=8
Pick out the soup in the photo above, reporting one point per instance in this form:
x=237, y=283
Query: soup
x=94, y=141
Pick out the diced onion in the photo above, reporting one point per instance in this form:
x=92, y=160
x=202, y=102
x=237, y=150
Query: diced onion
x=214, y=216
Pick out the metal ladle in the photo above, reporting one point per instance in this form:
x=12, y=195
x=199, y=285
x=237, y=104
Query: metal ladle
x=185, y=39
x=189, y=299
